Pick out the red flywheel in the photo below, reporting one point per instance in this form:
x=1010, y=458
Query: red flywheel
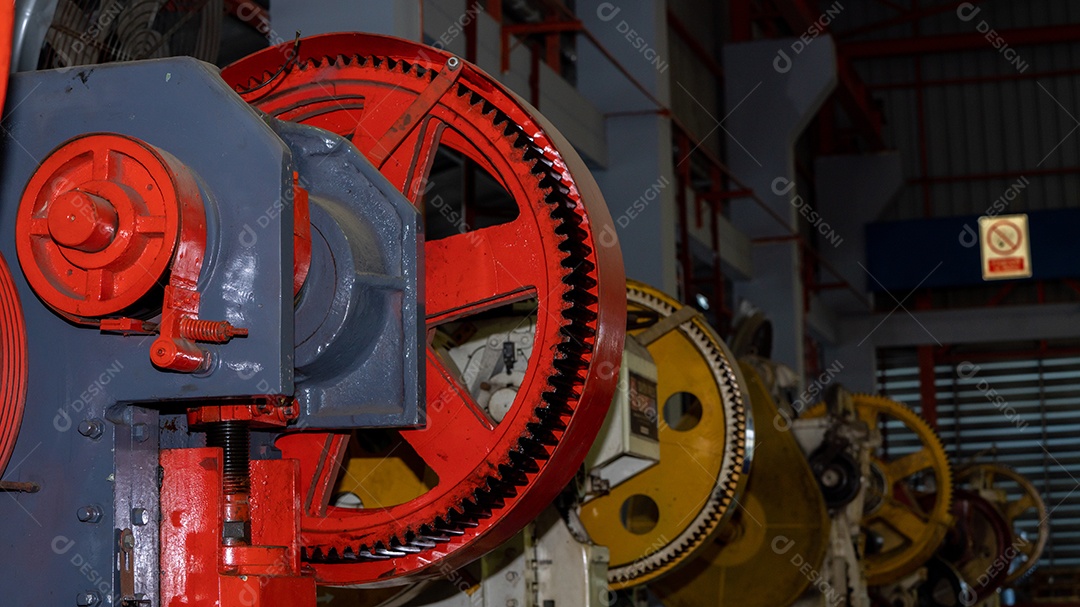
x=398, y=101
x=13, y=355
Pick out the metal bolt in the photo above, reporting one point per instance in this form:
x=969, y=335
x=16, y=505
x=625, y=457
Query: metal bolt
x=139, y=516
x=511, y=576
x=91, y=428
x=127, y=539
x=452, y=62
x=87, y=598
x=140, y=432
x=511, y=603
x=89, y=514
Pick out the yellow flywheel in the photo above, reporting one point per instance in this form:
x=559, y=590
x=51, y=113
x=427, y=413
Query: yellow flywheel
x=765, y=554
x=902, y=530
x=652, y=522
x=1018, y=501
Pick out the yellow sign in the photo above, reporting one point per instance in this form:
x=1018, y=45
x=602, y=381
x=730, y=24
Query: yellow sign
x=1005, y=246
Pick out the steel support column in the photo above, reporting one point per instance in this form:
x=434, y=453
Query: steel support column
x=766, y=110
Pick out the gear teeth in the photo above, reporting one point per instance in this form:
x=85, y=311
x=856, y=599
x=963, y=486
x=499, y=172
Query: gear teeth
x=578, y=311
x=379, y=551
x=533, y=448
x=542, y=435
x=407, y=548
x=731, y=478
x=523, y=462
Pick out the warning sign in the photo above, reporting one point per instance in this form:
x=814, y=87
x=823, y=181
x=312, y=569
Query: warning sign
x=1006, y=252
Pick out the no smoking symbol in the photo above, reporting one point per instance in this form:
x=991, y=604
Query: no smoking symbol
x=1004, y=237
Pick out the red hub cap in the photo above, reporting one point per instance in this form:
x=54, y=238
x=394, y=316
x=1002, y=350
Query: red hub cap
x=99, y=222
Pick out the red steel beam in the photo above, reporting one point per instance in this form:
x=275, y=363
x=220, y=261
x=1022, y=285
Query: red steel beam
x=853, y=95
x=997, y=175
x=906, y=17
x=929, y=45
x=1026, y=75
x=741, y=19
x=528, y=29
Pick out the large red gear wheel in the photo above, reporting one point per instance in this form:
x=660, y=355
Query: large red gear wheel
x=398, y=101
x=13, y=346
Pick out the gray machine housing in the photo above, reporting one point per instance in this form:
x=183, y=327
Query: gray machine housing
x=90, y=433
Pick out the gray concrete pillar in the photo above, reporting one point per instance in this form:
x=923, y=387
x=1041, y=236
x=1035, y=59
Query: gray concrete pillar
x=773, y=88
x=638, y=181
x=852, y=191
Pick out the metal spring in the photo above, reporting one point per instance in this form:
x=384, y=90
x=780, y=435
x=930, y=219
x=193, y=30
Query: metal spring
x=210, y=331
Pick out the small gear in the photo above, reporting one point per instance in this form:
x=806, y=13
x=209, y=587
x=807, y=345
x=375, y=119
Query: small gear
x=995, y=480
x=780, y=530
x=907, y=532
x=705, y=452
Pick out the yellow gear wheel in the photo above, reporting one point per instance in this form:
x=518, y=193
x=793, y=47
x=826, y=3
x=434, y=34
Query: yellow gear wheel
x=1016, y=498
x=909, y=533
x=652, y=522
x=779, y=534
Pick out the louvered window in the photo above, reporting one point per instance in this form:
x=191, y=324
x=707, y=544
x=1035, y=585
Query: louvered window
x=1023, y=413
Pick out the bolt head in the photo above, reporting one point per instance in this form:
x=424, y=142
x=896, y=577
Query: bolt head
x=236, y=530
x=91, y=428
x=87, y=598
x=140, y=516
x=140, y=432
x=89, y=514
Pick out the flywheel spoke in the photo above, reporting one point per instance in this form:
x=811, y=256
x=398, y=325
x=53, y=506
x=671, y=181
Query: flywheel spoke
x=409, y=165
x=457, y=435
x=1015, y=508
x=909, y=464
x=902, y=519
x=476, y=271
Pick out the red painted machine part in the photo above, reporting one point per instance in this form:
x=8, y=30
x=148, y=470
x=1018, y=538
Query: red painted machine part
x=197, y=571
x=13, y=354
x=976, y=517
x=301, y=235
x=7, y=26
x=561, y=250
x=13, y=364
x=99, y=222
